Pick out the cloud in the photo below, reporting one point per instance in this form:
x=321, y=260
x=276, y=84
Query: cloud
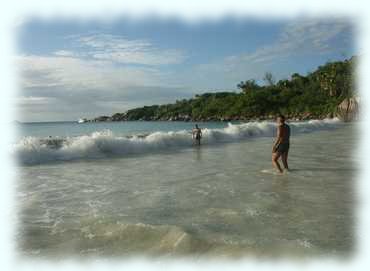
x=98, y=61
x=58, y=103
x=302, y=37
x=64, y=53
x=66, y=86
x=299, y=38
x=77, y=73
x=31, y=100
x=120, y=50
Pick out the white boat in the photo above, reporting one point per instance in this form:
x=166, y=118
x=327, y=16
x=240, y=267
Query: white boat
x=82, y=120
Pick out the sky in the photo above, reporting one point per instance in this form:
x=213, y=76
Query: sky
x=70, y=69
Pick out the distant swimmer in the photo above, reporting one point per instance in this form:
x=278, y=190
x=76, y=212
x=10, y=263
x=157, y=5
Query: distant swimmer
x=197, y=134
x=281, y=145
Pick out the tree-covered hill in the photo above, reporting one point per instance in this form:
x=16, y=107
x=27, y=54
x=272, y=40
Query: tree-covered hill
x=315, y=95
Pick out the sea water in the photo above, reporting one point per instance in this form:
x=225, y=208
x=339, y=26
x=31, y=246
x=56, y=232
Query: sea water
x=143, y=188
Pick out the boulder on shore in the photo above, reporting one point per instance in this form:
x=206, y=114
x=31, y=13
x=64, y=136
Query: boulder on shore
x=348, y=109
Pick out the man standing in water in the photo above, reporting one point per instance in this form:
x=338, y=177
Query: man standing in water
x=281, y=145
x=197, y=134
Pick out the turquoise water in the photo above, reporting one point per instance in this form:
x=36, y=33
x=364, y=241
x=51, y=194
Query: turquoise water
x=220, y=199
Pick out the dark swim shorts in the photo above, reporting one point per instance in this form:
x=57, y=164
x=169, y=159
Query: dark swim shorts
x=282, y=148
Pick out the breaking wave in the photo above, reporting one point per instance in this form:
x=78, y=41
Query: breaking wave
x=101, y=144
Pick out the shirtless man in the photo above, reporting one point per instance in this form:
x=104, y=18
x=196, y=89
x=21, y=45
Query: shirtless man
x=197, y=134
x=281, y=145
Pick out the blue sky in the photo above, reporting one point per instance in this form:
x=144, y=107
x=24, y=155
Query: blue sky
x=70, y=69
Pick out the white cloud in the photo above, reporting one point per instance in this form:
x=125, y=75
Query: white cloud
x=98, y=62
x=77, y=73
x=305, y=36
x=31, y=100
x=120, y=50
x=63, y=87
x=298, y=38
x=64, y=53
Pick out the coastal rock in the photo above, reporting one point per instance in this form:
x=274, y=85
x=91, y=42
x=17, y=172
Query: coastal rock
x=306, y=116
x=330, y=115
x=348, y=109
x=102, y=118
x=225, y=118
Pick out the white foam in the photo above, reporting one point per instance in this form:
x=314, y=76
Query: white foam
x=32, y=150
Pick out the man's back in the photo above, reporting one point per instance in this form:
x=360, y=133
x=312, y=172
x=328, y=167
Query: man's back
x=197, y=132
x=285, y=133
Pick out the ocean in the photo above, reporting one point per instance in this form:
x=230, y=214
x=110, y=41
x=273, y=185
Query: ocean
x=122, y=189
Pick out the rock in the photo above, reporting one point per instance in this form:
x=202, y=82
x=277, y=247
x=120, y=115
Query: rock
x=330, y=115
x=348, y=109
x=102, y=118
x=306, y=116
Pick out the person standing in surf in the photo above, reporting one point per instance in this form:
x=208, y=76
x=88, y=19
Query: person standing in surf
x=281, y=145
x=197, y=134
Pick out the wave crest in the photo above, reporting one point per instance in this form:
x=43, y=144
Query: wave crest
x=33, y=150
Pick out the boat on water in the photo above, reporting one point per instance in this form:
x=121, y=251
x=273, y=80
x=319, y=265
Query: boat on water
x=82, y=120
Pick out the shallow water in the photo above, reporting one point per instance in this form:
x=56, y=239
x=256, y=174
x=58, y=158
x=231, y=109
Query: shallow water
x=208, y=201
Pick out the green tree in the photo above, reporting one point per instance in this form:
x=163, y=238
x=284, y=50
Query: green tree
x=248, y=85
x=269, y=79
